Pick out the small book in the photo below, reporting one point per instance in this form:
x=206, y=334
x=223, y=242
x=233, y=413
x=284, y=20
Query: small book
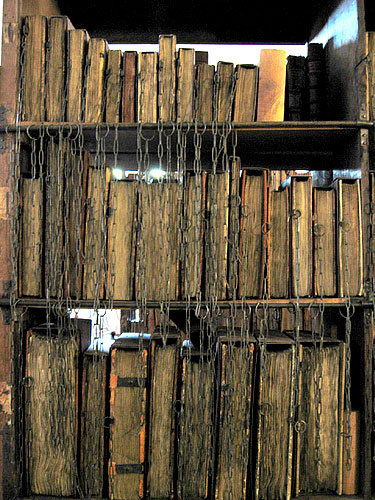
x=129, y=89
x=185, y=85
x=271, y=92
x=95, y=77
x=316, y=80
x=246, y=93
x=205, y=87
x=77, y=47
x=167, y=78
x=113, y=86
x=296, y=88
x=147, y=87
x=224, y=91
x=56, y=68
x=33, y=84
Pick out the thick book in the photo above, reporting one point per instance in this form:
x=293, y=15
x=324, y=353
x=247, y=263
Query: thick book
x=128, y=407
x=329, y=360
x=324, y=235
x=224, y=91
x=31, y=237
x=245, y=99
x=271, y=91
x=296, y=88
x=159, y=213
x=163, y=386
x=76, y=54
x=121, y=241
x=95, y=78
x=234, y=229
x=204, y=78
x=216, y=232
x=93, y=412
x=234, y=420
x=129, y=89
x=34, y=62
x=167, y=78
x=278, y=244
x=195, y=426
x=113, y=86
x=185, y=85
x=252, y=233
x=349, y=234
x=147, y=88
x=316, y=80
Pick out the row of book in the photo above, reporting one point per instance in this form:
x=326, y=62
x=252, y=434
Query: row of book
x=84, y=234
x=164, y=420
x=68, y=76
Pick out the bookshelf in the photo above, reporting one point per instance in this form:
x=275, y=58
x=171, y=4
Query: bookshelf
x=343, y=144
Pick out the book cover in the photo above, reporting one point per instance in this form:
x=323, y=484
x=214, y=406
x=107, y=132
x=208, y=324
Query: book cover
x=244, y=109
x=113, y=86
x=77, y=47
x=296, y=88
x=147, y=88
x=224, y=91
x=271, y=92
x=204, y=97
x=129, y=89
x=95, y=76
x=185, y=85
x=167, y=78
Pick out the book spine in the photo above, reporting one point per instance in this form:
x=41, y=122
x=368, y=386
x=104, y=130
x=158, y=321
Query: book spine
x=167, y=78
x=129, y=91
x=204, y=92
x=113, y=86
x=147, y=87
x=185, y=85
x=316, y=76
x=56, y=69
x=95, y=79
x=77, y=46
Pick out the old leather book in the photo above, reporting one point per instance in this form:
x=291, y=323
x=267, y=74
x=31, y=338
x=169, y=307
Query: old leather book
x=77, y=46
x=271, y=92
x=129, y=89
x=167, y=78
x=147, y=89
x=113, y=86
x=95, y=77
x=244, y=110
x=185, y=85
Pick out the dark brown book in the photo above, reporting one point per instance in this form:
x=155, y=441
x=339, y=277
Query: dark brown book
x=296, y=88
x=163, y=386
x=271, y=91
x=216, y=258
x=56, y=68
x=349, y=232
x=94, y=84
x=31, y=237
x=121, y=239
x=77, y=46
x=167, y=78
x=113, y=86
x=129, y=90
x=316, y=80
x=185, y=85
x=147, y=90
x=225, y=91
x=204, y=98
x=235, y=408
x=33, y=85
x=252, y=233
x=128, y=386
x=278, y=244
x=244, y=109
x=324, y=235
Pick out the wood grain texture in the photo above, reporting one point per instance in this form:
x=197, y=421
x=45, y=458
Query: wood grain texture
x=244, y=110
x=96, y=60
x=185, y=85
x=147, y=90
x=271, y=92
x=205, y=87
x=167, y=77
x=225, y=76
x=77, y=44
x=56, y=68
x=113, y=91
x=129, y=90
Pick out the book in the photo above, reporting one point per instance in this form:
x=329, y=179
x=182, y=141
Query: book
x=129, y=89
x=349, y=233
x=113, y=86
x=76, y=54
x=301, y=235
x=224, y=91
x=157, y=269
x=204, y=78
x=163, y=386
x=234, y=230
x=316, y=80
x=278, y=244
x=31, y=237
x=121, y=239
x=128, y=400
x=271, y=91
x=216, y=231
x=167, y=78
x=95, y=79
x=234, y=427
x=252, y=232
x=351, y=478
x=327, y=475
x=324, y=235
x=185, y=85
x=147, y=91
x=92, y=421
x=296, y=88
x=56, y=68
x=192, y=238
x=34, y=61
x=195, y=425
x=201, y=57
x=245, y=99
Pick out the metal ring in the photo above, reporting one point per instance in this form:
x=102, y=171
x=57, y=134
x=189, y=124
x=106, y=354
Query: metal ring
x=295, y=213
x=265, y=409
x=345, y=225
x=300, y=426
x=319, y=230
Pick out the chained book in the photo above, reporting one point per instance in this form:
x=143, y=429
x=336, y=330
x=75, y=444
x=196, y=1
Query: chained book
x=112, y=94
x=129, y=87
x=147, y=89
x=225, y=91
x=244, y=108
x=167, y=78
x=76, y=53
x=94, y=103
x=185, y=85
x=204, y=78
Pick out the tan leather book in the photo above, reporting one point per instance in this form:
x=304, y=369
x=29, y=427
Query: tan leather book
x=225, y=91
x=271, y=92
x=234, y=229
x=351, y=478
x=167, y=78
x=96, y=60
x=185, y=85
x=244, y=110
x=129, y=89
x=147, y=87
x=33, y=85
x=205, y=87
x=77, y=46
x=113, y=87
